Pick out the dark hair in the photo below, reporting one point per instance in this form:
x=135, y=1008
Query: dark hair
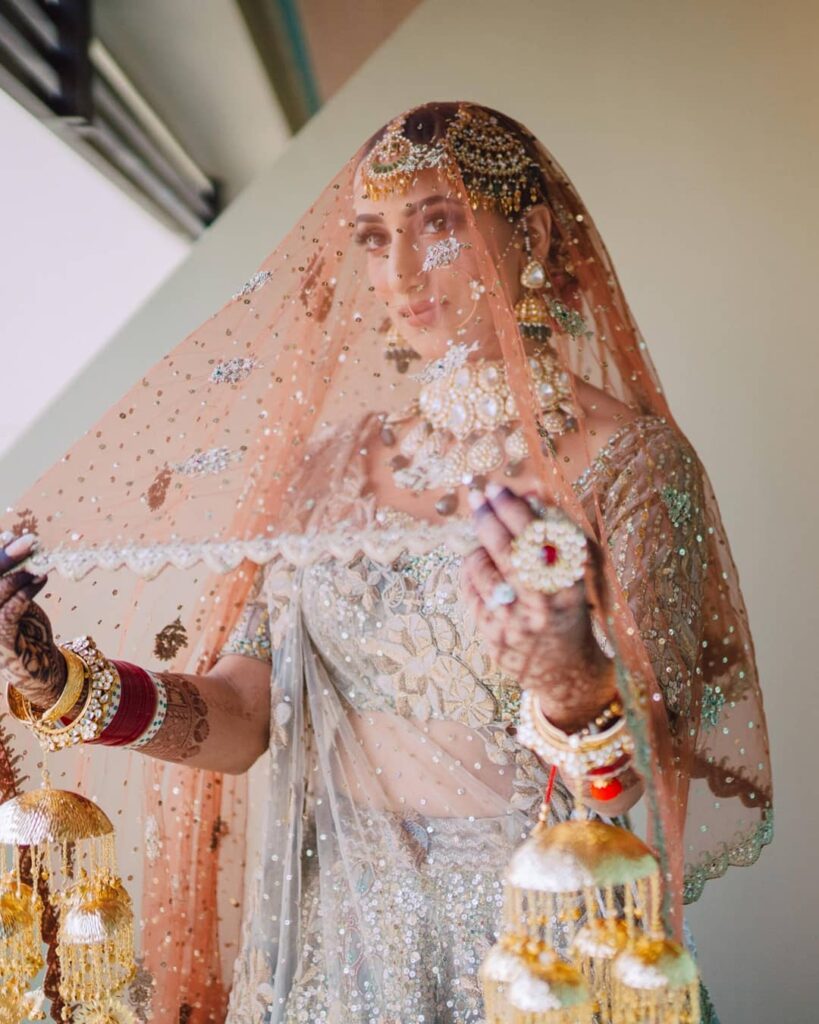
x=428, y=124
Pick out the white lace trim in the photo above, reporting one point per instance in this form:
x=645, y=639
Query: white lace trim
x=382, y=545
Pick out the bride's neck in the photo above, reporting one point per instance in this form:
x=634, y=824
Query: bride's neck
x=486, y=348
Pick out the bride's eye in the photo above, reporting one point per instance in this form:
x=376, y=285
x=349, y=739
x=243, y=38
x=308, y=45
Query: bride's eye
x=435, y=224
x=370, y=240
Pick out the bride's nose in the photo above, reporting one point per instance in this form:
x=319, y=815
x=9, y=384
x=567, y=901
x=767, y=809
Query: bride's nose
x=404, y=265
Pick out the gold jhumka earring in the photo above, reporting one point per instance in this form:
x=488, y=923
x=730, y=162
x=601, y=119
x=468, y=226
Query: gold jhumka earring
x=532, y=311
x=533, y=315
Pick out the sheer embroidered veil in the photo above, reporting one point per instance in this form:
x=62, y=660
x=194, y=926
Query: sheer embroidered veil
x=276, y=435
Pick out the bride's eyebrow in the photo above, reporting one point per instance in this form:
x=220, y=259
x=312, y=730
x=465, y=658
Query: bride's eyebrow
x=422, y=204
x=411, y=208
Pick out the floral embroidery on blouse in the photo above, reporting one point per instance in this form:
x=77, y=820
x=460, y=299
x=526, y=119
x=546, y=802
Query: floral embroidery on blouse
x=397, y=639
x=713, y=701
x=678, y=504
x=251, y=634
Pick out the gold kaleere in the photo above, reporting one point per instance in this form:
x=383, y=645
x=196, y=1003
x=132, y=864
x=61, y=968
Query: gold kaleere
x=70, y=859
x=524, y=982
x=655, y=980
x=593, y=890
x=20, y=945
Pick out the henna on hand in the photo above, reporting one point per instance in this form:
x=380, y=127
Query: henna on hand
x=29, y=657
x=543, y=641
x=186, y=725
x=40, y=657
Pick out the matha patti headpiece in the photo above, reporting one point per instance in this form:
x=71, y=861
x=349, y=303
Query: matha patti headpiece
x=395, y=160
x=491, y=160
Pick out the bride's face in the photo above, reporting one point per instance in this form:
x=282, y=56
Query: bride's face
x=433, y=307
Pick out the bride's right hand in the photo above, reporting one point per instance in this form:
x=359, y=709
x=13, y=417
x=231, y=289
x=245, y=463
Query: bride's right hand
x=29, y=658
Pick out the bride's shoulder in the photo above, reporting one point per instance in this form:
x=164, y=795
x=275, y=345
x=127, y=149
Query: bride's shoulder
x=632, y=444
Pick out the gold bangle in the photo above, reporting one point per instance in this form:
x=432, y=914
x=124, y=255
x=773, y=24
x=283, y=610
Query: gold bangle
x=72, y=691
x=576, y=742
x=22, y=709
x=19, y=707
x=99, y=707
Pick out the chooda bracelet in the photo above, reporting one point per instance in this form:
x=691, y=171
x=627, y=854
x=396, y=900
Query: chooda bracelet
x=123, y=706
x=142, y=709
x=609, y=781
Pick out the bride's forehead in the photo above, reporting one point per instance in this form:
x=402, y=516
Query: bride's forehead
x=426, y=185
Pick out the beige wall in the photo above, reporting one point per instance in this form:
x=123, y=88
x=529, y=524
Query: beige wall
x=689, y=128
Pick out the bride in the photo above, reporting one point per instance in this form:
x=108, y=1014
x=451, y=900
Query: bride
x=355, y=501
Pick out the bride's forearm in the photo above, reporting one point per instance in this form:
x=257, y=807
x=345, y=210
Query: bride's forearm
x=219, y=721
x=572, y=695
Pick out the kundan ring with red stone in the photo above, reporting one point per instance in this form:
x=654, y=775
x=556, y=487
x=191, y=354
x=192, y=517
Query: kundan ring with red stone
x=549, y=554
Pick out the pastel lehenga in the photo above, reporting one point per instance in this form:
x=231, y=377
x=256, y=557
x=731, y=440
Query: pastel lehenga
x=230, y=502
x=416, y=790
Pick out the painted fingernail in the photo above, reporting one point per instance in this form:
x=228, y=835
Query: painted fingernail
x=475, y=499
x=21, y=545
x=494, y=491
x=36, y=585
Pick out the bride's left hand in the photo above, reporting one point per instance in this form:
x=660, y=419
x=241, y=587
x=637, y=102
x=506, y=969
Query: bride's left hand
x=544, y=641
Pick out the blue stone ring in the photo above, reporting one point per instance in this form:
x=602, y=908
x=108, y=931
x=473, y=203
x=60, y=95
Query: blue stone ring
x=502, y=593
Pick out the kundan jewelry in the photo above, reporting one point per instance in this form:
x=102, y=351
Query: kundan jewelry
x=475, y=150
x=532, y=310
x=466, y=422
x=549, y=553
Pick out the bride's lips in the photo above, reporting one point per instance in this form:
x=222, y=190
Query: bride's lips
x=419, y=314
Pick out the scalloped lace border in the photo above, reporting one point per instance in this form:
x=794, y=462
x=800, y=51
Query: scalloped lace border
x=743, y=852
x=382, y=545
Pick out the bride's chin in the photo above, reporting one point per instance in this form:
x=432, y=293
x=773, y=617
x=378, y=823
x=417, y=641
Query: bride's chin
x=429, y=344
x=431, y=341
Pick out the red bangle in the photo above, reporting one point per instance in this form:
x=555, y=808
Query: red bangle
x=606, y=782
x=137, y=706
x=611, y=769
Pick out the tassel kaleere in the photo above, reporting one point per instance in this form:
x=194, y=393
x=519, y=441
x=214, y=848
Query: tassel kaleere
x=69, y=844
x=655, y=980
x=20, y=946
x=593, y=890
x=524, y=982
